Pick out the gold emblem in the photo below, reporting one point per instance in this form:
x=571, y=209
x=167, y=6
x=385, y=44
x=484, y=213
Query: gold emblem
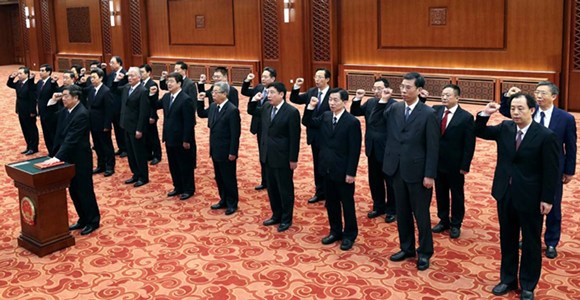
x=28, y=211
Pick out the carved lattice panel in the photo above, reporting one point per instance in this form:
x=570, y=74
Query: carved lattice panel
x=157, y=68
x=476, y=90
x=195, y=71
x=63, y=64
x=135, y=15
x=106, y=27
x=321, y=30
x=25, y=37
x=356, y=81
x=434, y=85
x=526, y=87
x=577, y=35
x=79, y=24
x=45, y=14
x=270, y=21
x=238, y=74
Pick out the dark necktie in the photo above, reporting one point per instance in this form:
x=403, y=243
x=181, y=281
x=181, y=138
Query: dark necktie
x=171, y=99
x=43, y=83
x=273, y=114
x=131, y=90
x=319, y=100
x=407, y=112
x=444, y=121
x=519, y=139
x=542, y=115
x=264, y=97
x=334, y=121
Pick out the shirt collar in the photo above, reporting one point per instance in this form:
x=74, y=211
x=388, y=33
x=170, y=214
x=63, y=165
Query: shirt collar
x=412, y=106
x=73, y=108
x=337, y=116
x=453, y=109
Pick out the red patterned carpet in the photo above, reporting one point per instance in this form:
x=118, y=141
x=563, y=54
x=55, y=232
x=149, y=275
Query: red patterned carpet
x=153, y=247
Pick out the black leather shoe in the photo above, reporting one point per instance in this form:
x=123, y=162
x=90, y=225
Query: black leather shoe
x=283, y=227
x=30, y=152
x=173, y=193
x=140, y=183
x=118, y=152
x=422, y=263
x=218, y=206
x=390, y=218
x=527, y=295
x=502, y=288
x=98, y=170
x=331, y=238
x=24, y=152
x=454, y=232
x=401, y=255
x=551, y=252
x=109, y=173
x=131, y=180
x=88, y=229
x=123, y=154
x=155, y=161
x=230, y=211
x=440, y=228
x=260, y=187
x=76, y=226
x=185, y=196
x=315, y=199
x=346, y=244
x=270, y=222
x=373, y=214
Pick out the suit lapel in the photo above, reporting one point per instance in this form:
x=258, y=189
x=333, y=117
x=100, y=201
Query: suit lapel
x=282, y=108
x=455, y=119
x=530, y=135
x=553, y=119
x=414, y=113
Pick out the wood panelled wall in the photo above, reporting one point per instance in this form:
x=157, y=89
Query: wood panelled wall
x=482, y=45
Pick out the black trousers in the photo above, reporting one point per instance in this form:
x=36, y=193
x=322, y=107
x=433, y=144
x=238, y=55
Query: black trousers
x=444, y=184
x=83, y=197
x=379, y=182
x=281, y=193
x=153, y=144
x=181, y=168
x=318, y=178
x=119, y=132
x=413, y=199
x=49, y=132
x=339, y=204
x=511, y=222
x=264, y=180
x=137, y=154
x=29, y=131
x=104, y=147
x=227, y=182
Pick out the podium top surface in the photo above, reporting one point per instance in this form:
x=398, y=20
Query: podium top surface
x=28, y=165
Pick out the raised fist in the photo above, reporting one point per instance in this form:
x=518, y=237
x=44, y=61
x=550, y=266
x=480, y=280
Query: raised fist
x=32, y=74
x=55, y=77
x=201, y=96
x=152, y=90
x=250, y=77
x=387, y=93
x=83, y=71
x=202, y=78
x=299, y=82
x=360, y=93
x=120, y=76
x=424, y=93
x=257, y=97
x=513, y=90
x=103, y=65
x=313, y=101
x=491, y=108
x=163, y=74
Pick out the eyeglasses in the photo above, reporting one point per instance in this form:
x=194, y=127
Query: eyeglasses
x=542, y=93
x=406, y=87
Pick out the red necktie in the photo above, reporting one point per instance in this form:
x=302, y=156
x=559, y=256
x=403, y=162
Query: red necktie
x=444, y=121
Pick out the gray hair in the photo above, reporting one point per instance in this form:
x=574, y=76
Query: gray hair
x=224, y=87
x=553, y=88
x=135, y=70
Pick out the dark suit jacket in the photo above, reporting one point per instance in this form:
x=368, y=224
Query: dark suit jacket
x=224, y=129
x=100, y=107
x=152, y=100
x=187, y=86
x=25, y=96
x=533, y=168
x=135, y=108
x=280, y=142
x=457, y=144
x=233, y=96
x=376, y=134
x=178, y=119
x=304, y=98
x=71, y=143
x=109, y=80
x=256, y=123
x=563, y=125
x=339, y=147
x=43, y=95
x=412, y=146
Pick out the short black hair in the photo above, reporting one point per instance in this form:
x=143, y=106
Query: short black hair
x=383, y=80
x=77, y=68
x=326, y=72
x=74, y=90
x=70, y=73
x=279, y=86
x=530, y=101
x=222, y=70
x=147, y=68
x=99, y=72
x=343, y=94
x=26, y=70
x=272, y=71
x=95, y=62
x=419, y=80
x=178, y=77
x=47, y=67
x=118, y=59
x=181, y=64
x=455, y=88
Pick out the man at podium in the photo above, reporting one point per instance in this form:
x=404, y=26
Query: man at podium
x=72, y=146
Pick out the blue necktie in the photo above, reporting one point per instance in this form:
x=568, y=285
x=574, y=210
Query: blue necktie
x=273, y=114
x=319, y=100
x=131, y=91
x=407, y=112
x=334, y=121
x=542, y=115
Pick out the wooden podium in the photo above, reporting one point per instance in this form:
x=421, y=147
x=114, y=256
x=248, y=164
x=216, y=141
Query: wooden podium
x=43, y=205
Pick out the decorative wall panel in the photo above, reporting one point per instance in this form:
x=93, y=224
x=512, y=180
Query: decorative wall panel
x=576, y=38
x=46, y=30
x=79, y=24
x=321, y=30
x=477, y=89
x=270, y=29
x=106, y=28
x=219, y=22
x=135, y=15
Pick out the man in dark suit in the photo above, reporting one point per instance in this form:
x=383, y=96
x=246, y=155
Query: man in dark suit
x=219, y=75
x=26, y=107
x=224, y=141
x=411, y=154
x=45, y=88
x=268, y=76
x=375, y=137
x=72, y=145
x=153, y=145
x=456, y=147
x=563, y=125
x=116, y=64
x=135, y=112
x=178, y=134
x=188, y=85
x=100, y=106
x=320, y=92
x=280, y=131
x=340, y=142
x=524, y=186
